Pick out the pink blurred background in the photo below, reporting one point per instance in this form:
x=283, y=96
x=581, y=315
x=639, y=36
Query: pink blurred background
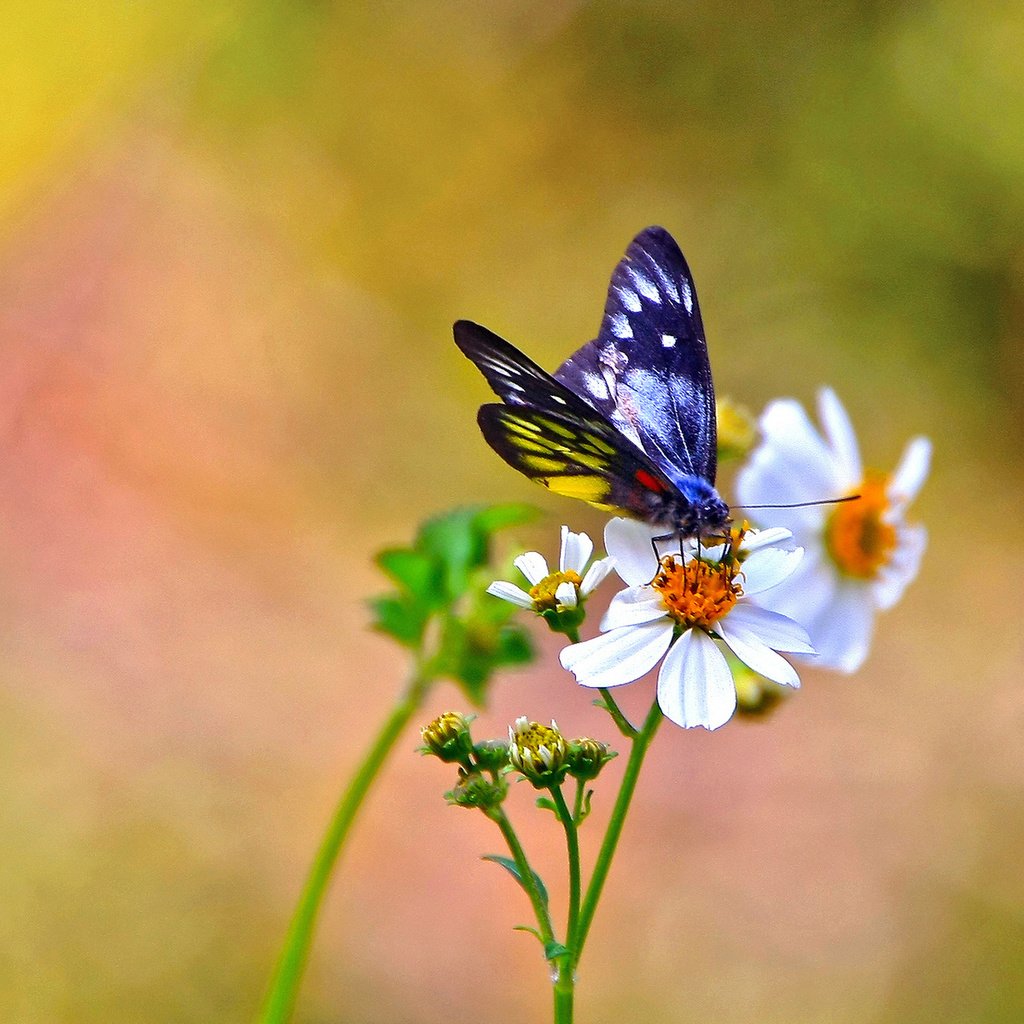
x=234, y=238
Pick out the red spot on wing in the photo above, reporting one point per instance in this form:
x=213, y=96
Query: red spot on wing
x=652, y=483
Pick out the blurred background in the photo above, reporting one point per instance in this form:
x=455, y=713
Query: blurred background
x=233, y=238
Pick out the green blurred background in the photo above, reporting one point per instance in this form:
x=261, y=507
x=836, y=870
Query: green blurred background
x=233, y=237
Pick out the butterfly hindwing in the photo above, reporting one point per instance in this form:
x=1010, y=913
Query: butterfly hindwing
x=648, y=370
x=585, y=459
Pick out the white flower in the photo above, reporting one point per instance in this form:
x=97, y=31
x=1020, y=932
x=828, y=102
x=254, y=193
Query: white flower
x=860, y=555
x=682, y=612
x=566, y=588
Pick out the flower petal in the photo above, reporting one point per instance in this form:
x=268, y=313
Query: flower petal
x=632, y=607
x=777, y=631
x=533, y=565
x=841, y=631
x=802, y=595
x=757, y=539
x=619, y=656
x=575, y=551
x=911, y=472
x=902, y=567
x=628, y=542
x=565, y=595
x=596, y=575
x=695, y=685
x=810, y=468
x=841, y=436
x=768, y=567
x=510, y=592
x=754, y=653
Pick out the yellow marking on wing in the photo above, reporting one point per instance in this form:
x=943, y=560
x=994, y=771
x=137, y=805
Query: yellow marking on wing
x=600, y=445
x=586, y=488
x=540, y=464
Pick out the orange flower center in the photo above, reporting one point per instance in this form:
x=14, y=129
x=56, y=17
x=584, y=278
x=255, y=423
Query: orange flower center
x=857, y=535
x=698, y=593
x=543, y=593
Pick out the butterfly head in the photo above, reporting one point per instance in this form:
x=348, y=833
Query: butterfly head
x=702, y=512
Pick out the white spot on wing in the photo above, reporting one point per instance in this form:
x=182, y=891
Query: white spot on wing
x=668, y=341
x=644, y=285
x=629, y=298
x=620, y=326
x=667, y=284
x=559, y=399
x=687, y=297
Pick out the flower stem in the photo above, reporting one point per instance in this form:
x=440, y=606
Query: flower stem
x=641, y=742
x=527, y=878
x=291, y=964
x=572, y=844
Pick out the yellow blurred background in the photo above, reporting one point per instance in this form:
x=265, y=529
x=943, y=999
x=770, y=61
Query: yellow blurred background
x=233, y=238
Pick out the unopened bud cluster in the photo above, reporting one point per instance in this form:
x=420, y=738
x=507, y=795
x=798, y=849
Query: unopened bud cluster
x=540, y=753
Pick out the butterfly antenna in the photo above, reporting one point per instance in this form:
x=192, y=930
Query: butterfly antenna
x=805, y=504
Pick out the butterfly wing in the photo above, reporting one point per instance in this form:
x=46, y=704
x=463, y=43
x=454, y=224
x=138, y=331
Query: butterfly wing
x=556, y=438
x=582, y=458
x=648, y=370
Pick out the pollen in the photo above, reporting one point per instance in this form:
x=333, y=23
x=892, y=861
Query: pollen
x=698, y=593
x=543, y=593
x=858, y=535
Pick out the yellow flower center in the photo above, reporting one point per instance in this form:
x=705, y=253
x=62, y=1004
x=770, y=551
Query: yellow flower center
x=857, y=535
x=698, y=593
x=543, y=593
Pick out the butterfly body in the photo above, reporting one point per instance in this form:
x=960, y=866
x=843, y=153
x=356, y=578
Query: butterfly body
x=627, y=423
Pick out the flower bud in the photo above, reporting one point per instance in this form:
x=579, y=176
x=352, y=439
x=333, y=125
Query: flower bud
x=737, y=430
x=447, y=737
x=587, y=757
x=491, y=755
x=755, y=695
x=476, y=790
x=539, y=752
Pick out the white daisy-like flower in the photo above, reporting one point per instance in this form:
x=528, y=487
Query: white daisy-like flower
x=683, y=613
x=859, y=555
x=557, y=591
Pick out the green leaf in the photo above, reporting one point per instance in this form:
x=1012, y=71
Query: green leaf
x=454, y=542
x=500, y=517
x=400, y=617
x=527, y=928
x=546, y=804
x=513, y=869
x=414, y=572
x=553, y=950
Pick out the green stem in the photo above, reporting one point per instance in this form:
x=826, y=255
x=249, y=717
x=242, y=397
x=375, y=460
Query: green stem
x=572, y=845
x=618, y=818
x=527, y=878
x=625, y=726
x=565, y=980
x=284, y=984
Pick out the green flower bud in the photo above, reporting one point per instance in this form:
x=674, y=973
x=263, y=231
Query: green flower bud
x=539, y=752
x=491, y=755
x=447, y=737
x=587, y=757
x=476, y=790
x=737, y=430
x=755, y=695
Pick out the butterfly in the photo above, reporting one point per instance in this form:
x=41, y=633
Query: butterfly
x=627, y=423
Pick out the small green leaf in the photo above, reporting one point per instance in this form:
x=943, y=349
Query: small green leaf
x=546, y=804
x=553, y=950
x=500, y=517
x=526, y=928
x=513, y=869
x=400, y=617
x=415, y=573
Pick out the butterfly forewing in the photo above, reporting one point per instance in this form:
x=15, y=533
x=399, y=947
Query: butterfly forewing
x=648, y=370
